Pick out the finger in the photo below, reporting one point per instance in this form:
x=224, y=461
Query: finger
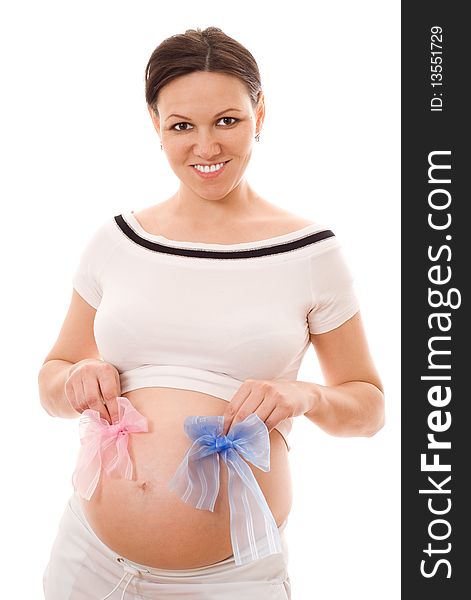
x=79, y=395
x=278, y=415
x=233, y=407
x=249, y=406
x=94, y=397
x=267, y=412
x=250, y=389
x=113, y=409
x=110, y=391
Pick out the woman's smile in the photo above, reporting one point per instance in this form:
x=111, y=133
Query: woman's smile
x=211, y=171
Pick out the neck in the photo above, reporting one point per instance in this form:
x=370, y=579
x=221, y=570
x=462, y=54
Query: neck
x=239, y=203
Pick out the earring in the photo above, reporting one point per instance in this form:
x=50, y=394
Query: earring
x=257, y=137
x=161, y=147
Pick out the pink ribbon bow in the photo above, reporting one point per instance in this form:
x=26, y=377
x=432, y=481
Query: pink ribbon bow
x=103, y=444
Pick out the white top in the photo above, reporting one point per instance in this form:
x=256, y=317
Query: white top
x=206, y=317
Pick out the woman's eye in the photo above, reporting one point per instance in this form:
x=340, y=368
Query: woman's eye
x=226, y=119
x=186, y=126
x=181, y=126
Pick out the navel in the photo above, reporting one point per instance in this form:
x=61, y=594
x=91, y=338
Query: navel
x=144, y=485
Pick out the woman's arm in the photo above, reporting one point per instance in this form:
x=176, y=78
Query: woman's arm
x=74, y=343
x=75, y=349
x=351, y=403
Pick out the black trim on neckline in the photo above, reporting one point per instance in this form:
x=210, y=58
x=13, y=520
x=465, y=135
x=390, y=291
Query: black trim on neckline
x=306, y=240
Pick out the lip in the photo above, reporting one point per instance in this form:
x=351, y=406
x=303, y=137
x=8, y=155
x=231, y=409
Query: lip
x=210, y=175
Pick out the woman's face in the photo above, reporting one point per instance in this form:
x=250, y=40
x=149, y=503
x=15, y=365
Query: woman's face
x=206, y=120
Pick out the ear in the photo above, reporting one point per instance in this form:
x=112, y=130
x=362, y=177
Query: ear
x=155, y=118
x=260, y=112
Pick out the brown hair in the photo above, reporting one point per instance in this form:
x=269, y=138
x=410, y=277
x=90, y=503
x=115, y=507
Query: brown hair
x=196, y=50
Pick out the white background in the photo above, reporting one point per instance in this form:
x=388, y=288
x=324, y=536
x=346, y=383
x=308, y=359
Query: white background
x=78, y=147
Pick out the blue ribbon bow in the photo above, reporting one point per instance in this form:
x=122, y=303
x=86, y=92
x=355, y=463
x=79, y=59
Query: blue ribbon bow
x=254, y=533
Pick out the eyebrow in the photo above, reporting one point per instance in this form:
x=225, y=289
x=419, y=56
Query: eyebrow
x=217, y=115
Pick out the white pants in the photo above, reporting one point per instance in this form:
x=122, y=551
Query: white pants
x=82, y=567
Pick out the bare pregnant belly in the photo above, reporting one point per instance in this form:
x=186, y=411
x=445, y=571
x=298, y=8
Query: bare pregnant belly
x=146, y=522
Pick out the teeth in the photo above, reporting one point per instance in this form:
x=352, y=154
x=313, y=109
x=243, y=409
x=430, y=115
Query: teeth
x=209, y=169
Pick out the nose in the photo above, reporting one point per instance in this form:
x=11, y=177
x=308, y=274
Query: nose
x=207, y=145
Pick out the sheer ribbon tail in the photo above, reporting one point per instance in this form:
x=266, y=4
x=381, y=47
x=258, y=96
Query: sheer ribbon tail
x=87, y=472
x=120, y=464
x=196, y=481
x=254, y=532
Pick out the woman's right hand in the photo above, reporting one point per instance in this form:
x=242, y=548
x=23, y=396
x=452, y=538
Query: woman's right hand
x=95, y=384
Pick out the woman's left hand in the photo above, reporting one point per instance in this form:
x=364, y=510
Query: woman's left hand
x=272, y=400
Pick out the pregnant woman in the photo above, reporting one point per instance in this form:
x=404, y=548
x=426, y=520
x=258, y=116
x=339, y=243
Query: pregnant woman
x=201, y=305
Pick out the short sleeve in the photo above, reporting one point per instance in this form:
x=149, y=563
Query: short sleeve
x=333, y=295
x=87, y=279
